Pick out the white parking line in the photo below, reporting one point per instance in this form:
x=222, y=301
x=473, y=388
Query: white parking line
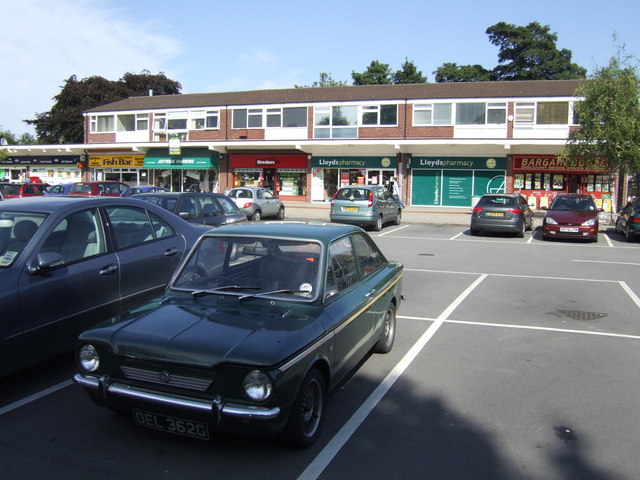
x=606, y=237
x=34, y=397
x=604, y=261
x=508, y=275
x=317, y=466
x=525, y=327
x=393, y=231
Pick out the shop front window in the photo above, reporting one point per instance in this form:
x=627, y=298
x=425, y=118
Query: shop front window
x=293, y=182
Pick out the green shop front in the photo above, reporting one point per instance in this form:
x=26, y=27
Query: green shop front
x=455, y=181
x=329, y=173
x=190, y=170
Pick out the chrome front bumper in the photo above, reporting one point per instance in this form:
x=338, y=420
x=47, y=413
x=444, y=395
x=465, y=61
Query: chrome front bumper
x=102, y=384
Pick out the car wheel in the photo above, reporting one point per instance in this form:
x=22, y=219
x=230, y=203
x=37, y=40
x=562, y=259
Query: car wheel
x=388, y=335
x=398, y=218
x=628, y=236
x=595, y=239
x=307, y=415
x=281, y=213
x=523, y=229
x=256, y=216
x=618, y=226
x=474, y=231
x=378, y=225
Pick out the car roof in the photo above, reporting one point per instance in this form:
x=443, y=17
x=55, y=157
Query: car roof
x=52, y=203
x=178, y=194
x=502, y=195
x=368, y=187
x=324, y=232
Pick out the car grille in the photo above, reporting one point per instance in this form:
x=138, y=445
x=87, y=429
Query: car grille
x=165, y=378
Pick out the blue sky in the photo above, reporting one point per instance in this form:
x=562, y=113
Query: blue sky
x=216, y=46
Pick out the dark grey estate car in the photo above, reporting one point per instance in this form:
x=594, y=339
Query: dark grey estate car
x=68, y=262
x=206, y=208
x=501, y=212
x=365, y=205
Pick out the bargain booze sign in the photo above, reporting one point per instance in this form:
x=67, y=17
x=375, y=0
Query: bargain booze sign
x=551, y=163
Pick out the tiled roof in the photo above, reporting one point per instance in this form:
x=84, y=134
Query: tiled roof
x=454, y=90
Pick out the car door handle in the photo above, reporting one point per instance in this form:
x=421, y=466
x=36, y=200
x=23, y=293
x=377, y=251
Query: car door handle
x=109, y=269
x=370, y=293
x=170, y=251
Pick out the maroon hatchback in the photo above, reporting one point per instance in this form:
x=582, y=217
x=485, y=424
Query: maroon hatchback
x=104, y=189
x=571, y=215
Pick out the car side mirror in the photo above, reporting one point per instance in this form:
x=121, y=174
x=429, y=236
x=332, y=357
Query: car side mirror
x=184, y=215
x=601, y=210
x=44, y=262
x=544, y=208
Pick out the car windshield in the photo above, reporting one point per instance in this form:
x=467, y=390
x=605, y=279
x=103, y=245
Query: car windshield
x=250, y=267
x=16, y=229
x=576, y=204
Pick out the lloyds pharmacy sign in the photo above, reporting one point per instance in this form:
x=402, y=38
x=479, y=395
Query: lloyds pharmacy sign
x=354, y=162
x=459, y=163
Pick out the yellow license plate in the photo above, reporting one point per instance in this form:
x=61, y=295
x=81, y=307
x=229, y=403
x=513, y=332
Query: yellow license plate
x=351, y=209
x=495, y=214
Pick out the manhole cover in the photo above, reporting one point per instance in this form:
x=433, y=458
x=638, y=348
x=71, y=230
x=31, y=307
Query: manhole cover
x=578, y=315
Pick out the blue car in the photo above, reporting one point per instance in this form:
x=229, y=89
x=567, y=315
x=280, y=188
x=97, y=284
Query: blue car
x=143, y=189
x=60, y=189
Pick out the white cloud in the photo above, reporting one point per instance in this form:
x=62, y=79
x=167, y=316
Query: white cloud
x=43, y=43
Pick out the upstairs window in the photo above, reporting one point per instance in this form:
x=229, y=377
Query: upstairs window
x=431, y=114
x=205, y=119
x=380, y=115
x=247, y=118
x=335, y=122
x=553, y=113
x=102, y=124
x=481, y=113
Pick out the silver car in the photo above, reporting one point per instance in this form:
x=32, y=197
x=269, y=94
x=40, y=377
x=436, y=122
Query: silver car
x=257, y=202
x=365, y=205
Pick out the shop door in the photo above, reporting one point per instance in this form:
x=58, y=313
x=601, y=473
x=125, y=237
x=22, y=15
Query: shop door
x=425, y=188
x=574, y=183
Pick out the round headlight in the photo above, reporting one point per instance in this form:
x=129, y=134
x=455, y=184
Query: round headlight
x=88, y=358
x=257, y=386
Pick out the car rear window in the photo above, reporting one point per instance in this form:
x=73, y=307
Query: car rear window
x=80, y=188
x=353, y=193
x=497, y=201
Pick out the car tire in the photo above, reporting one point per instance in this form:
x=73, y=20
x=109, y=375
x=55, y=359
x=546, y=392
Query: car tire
x=474, y=232
x=388, y=334
x=257, y=215
x=595, y=239
x=280, y=215
x=628, y=236
x=378, y=225
x=523, y=229
x=307, y=415
x=397, y=220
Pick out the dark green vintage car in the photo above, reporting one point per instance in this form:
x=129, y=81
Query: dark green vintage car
x=257, y=325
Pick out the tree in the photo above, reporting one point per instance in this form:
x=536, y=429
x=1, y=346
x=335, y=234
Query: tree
x=526, y=53
x=325, y=81
x=9, y=138
x=408, y=74
x=64, y=122
x=451, y=72
x=530, y=53
x=609, y=119
x=376, y=74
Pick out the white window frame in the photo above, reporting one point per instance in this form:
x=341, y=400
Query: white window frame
x=328, y=111
x=431, y=108
x=95, y=123
x=377, y=109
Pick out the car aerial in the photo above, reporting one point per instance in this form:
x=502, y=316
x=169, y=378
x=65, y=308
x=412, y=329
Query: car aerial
x=365, y=205
x=628, y=220
x=501, y=212
x=143, y=189
x=257, y=325
x=104, y=189
x=206, y=208
x=59, y=189
x=19, y=190
x=257, y=202
x=571, y=215
x=68, y=262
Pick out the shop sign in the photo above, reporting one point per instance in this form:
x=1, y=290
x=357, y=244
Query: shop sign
x=354, y=162
x=459, y=163
x=552, y=163
x=196, y=159
x=116, y=161
x=41, y=160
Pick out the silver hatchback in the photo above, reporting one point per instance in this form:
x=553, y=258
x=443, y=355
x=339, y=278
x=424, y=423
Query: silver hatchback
x=365, y=205
x=257, y=202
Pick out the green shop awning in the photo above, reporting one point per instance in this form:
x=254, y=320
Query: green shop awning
x=190, y=158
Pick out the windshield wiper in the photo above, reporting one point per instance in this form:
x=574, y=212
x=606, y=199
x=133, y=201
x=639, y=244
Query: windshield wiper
x=198, y=293
x=271, y=292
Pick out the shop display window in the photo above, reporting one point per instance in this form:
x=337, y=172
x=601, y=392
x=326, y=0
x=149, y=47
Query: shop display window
x=293, y=183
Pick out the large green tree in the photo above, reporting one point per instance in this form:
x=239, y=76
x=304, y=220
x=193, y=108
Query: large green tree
x=408, y=73
x=525, y=53
x=376, y=74
x=64, y=122
x=609, y=119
